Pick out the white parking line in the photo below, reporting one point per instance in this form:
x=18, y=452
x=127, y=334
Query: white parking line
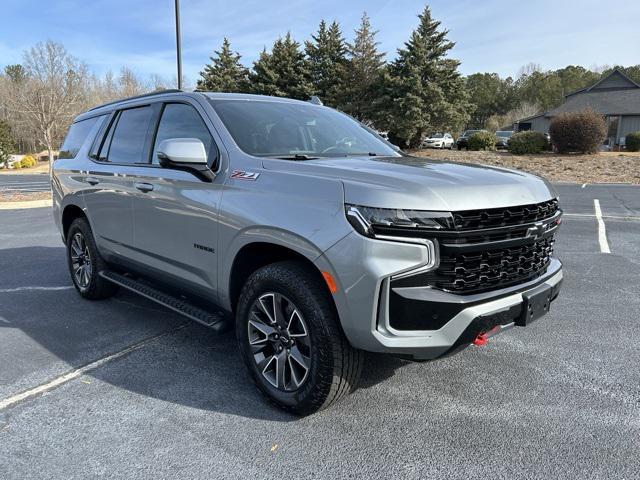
x=602, y=230
x=56, y=382
x=21, y=289
x=591, y=215
x=583, y=185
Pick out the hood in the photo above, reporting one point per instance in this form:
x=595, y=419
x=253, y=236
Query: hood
x=425, y=184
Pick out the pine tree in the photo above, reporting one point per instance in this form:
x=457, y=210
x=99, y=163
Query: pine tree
x=363, y=70
x=423, y=90
x=7, y=143
x=225, y=73
x=282, y=73
x=327, y=62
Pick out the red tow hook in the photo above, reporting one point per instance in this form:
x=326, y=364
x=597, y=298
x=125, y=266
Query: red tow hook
x=483, y=338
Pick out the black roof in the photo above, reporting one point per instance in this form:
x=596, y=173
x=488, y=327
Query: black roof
x=608, y=102
x=615, y=94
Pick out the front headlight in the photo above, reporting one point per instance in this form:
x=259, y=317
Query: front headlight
x=371, y=221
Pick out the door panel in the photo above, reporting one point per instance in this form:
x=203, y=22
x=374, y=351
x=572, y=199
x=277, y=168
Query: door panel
x=175, y=212
x=110, y=187
x=109, y=205
x=176, y=227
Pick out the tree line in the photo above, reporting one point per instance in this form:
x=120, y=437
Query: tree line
x=420, y=91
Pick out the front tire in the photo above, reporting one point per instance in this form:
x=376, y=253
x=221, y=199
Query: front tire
x=85, y=263
x=291, y=340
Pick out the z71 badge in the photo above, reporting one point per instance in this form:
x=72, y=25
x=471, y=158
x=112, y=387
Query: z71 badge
x=242, y=175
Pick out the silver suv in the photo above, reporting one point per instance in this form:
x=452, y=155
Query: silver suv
x=305, y=231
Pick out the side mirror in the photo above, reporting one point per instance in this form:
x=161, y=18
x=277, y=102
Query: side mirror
x=186, y=154
x=186, y=151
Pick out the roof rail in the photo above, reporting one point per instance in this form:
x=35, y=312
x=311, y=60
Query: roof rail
x=144, y=95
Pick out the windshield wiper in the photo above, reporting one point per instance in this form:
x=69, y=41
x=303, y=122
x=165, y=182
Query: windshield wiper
x=363, y=154
x=297, y=156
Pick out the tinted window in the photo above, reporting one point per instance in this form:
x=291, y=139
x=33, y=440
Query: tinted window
x=78, y=133
x=129, y=136
x=181, y=121
x=268, y=128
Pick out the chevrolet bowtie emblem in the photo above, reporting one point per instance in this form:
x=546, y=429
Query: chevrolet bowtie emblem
x=536, y=231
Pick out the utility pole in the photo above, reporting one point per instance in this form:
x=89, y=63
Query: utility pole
x=178, y=45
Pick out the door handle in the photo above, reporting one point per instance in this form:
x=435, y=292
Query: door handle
x=143, y=187
x=92, y=180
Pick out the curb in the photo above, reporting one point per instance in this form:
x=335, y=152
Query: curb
x=25, y=204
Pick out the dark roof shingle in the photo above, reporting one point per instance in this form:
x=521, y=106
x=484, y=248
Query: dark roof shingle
x=612, y=102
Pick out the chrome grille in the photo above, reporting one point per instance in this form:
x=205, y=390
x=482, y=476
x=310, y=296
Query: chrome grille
x=491, y=249
x=489, y=269
x=503, y=217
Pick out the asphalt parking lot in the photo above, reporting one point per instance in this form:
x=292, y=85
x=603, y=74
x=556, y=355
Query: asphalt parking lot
x=558, y=399
x=24, y=183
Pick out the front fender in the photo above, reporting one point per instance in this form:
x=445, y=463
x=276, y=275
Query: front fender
x=260, y=234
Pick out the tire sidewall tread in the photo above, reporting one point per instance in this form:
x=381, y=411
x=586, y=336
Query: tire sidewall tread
x=335, y=364
x=99, y=288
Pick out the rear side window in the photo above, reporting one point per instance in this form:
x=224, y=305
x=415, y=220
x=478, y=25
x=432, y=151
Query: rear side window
x=181, y=121
x=77, y=135
x=128, y=136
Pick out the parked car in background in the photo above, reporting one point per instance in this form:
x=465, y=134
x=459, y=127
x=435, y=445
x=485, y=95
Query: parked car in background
x=463, y=141
x=503, y=138
x=438, y=140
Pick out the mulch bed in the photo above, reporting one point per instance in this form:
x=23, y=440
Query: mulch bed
x=604, y=167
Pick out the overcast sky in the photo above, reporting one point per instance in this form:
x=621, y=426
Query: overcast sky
x=490, y=35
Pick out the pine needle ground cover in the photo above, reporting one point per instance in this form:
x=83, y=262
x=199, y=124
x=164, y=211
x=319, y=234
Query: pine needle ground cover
x=602, y=167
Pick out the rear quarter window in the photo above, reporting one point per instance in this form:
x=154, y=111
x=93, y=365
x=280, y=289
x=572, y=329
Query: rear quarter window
x=77, y=135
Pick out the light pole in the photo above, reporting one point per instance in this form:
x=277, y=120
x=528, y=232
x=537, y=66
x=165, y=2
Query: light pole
x=178, y=45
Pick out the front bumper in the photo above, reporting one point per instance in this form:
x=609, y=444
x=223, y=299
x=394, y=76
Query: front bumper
x=365, y=267
x=466, y=316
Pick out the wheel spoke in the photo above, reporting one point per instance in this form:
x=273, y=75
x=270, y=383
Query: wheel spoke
x=85, y=276
x=263, y=361
x=299, y=358
x=298, y=375
x=260, y=328
x=296, y=326
x=278, y=310
x=281, y=363
x=81, y=242
x=269, y=370
x=267, y=305
x=76, y=251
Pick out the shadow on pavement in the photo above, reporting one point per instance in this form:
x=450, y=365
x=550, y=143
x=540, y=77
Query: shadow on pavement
x=193, y=366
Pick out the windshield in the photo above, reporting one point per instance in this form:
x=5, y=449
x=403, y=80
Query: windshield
x=297, y=130
x=504, y=134
x=437, y=135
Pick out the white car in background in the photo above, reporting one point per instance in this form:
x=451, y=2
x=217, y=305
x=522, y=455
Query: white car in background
x=438, y=140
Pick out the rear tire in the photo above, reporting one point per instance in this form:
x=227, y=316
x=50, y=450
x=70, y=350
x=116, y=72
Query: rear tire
x=329, y=368
x=85, y=263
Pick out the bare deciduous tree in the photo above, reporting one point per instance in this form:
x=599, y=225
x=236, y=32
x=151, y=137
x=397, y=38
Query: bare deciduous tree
x=53, y=92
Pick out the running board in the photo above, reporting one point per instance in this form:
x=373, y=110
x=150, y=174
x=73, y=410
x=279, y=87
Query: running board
x=215, y=321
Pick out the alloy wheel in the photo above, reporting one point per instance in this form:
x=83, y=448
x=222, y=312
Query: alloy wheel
x=279, y=341
x=81, y=264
